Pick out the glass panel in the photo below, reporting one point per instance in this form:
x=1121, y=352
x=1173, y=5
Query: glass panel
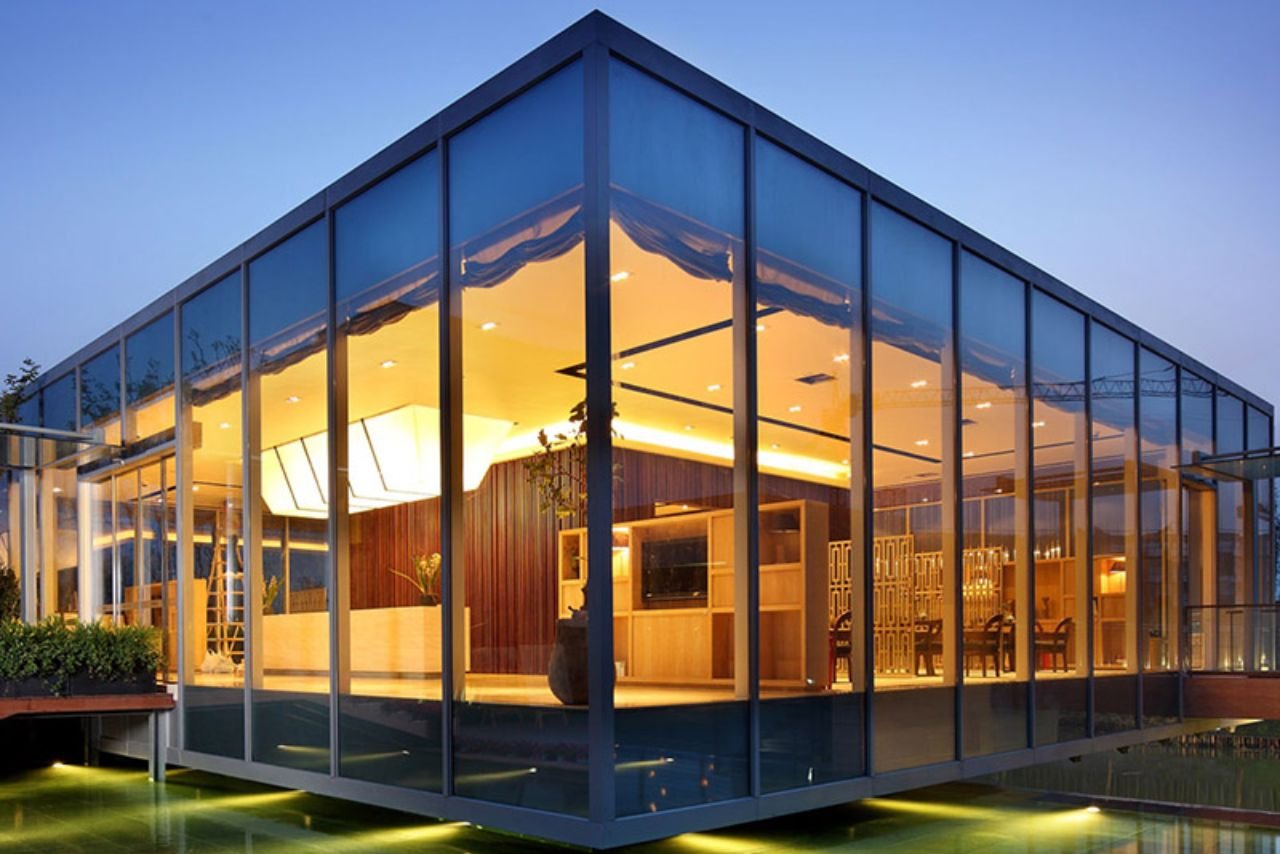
x=1060, y=457
x=676, y=224
x=808, y=273
x=1233, y=571
x=100, y=393
x=517, y=262
x=1197, y=416
x=59, y=593
x=9, y=535
x=102, y=551
x=212, y=447
x=149, y=597
x=912, y=416
x=29, y=410
x=289, y=446
x=388, y=270
x=148, y=365
x=60, y=403
x=1264, y=492
x=1114, y=493
x=1158, y=387
x=994, y=485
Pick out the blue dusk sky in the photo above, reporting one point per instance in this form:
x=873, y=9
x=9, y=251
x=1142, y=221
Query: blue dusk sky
x=1131, y=149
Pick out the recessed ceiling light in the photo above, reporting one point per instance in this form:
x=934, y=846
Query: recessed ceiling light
x=795, y=408
x=195, y=488
x=626, y=366
x=388, y=363
x=488, y=326
x=620, y=276
x=293, y=398
x=688, y=426
x=924, y=500
x=986, y=404
x=999, y=490
x=713, y=387
x=919, y=383
x=968, y=454
x=843, y=357
x=57, y=490
x=225, y=425
x=920, y=443
x=760, y=327
x=1037, y=423
x=775, y=446
x=844, y=462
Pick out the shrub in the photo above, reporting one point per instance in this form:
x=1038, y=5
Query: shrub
x=54, y=651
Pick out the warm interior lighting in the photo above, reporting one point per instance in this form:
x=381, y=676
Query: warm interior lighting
x=843, y=357
x=921, y=443
x=626, y=366
x=1037, y=424
x=225, y=425
x=388, y=363
x=392, y=458
x=620, y=276
x=919, y=383
x=986, y=404
x=713, y=387
x=293, y=398
x=795, y=408
x=488, y=326
x=760, y=327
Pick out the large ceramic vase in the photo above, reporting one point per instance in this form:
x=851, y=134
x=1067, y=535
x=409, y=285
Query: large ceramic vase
x=567, y=672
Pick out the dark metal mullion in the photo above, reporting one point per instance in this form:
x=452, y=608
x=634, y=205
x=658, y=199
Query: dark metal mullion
x=1181, y=575
x=746, y=491
x=1090, y=688
x=1028, y=634
x=249, y=410
x=1137, y=575
x=953, y=491
x=449, y=381
x=598, y=344
x=337, y=567
x=867, y=486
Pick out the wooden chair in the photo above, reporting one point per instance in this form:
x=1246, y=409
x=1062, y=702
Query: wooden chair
x=1056, y=644
x=928, y=642
x=988, y=644
x=840, y=639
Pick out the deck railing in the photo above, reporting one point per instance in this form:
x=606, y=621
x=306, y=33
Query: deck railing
x=1231, y=638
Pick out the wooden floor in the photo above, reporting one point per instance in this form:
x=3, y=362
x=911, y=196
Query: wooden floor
x=532, y=690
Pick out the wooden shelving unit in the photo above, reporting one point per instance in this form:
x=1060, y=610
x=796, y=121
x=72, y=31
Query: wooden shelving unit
x=691, y=641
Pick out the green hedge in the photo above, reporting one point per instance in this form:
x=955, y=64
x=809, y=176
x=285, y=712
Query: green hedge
x=54, y=651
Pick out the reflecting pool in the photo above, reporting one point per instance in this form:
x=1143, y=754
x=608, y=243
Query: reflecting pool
x=71, y=808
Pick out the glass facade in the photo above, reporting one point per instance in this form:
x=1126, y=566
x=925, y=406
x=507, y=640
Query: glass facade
x=880, y=497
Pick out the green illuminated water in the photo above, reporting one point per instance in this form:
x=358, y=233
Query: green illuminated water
x=70, y=809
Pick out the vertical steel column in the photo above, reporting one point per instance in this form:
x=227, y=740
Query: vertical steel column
x=600, y=673
x=1084, y=563
x=251, y=519
x=1024, y=516
x=185, y=518
x=859, y=478
x=864, y=522
x=453, y=589
x=117, y=592
x=339, y=563
x=1136, y=571
x=29, y=526
x=746, y=491
x=953, y=508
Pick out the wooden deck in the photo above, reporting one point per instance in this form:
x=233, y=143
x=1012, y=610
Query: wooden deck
x=1232, y=695
x=104, y=704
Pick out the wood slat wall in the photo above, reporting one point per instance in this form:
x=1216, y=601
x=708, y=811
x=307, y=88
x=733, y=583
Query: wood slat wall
x=511, y=546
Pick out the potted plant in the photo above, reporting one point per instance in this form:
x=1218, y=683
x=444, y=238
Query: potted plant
x=58, y=659
x=558, y=473
x=425, y=577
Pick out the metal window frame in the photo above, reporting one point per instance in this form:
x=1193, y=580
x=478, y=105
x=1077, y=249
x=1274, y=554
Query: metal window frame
x=596, y=39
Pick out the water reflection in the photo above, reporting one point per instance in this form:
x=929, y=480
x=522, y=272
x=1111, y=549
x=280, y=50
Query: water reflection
x=71, y=808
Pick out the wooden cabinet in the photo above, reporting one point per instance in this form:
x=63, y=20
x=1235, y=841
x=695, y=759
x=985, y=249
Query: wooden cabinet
x=689, y=636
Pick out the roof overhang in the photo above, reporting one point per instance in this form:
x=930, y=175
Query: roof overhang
x=23, y=447
x=1261, y=464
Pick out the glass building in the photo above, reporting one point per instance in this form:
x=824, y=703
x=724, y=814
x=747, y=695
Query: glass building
x=866, y=501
